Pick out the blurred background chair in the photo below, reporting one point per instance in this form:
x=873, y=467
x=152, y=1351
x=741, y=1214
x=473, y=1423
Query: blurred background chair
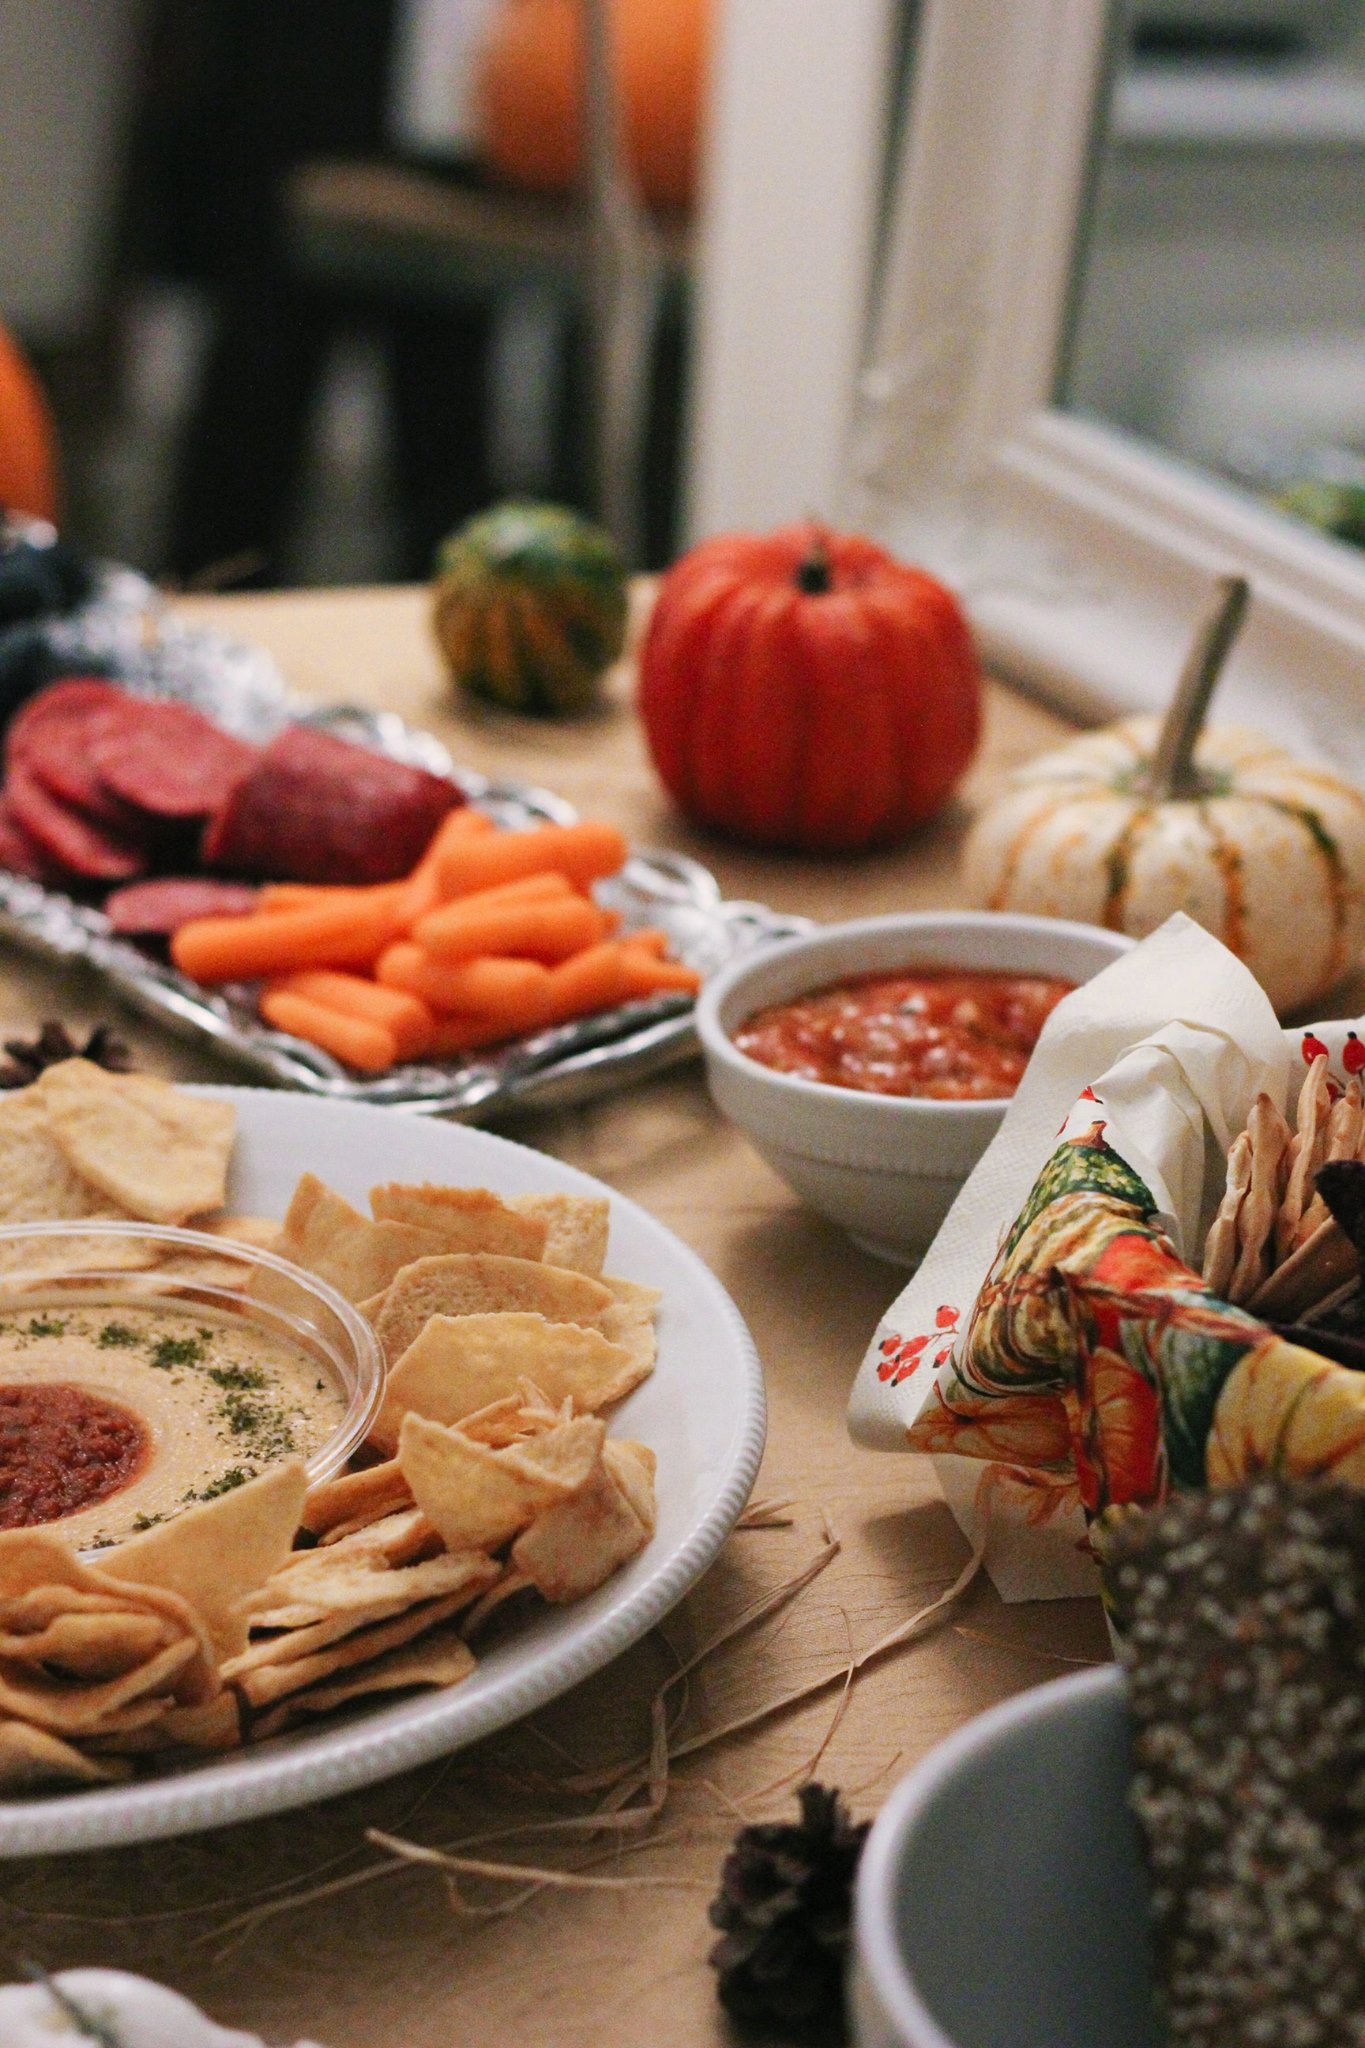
x=316, y=332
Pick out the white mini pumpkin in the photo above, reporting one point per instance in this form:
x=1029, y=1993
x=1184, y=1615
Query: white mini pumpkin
x=1264, y=851
x=109, y=2005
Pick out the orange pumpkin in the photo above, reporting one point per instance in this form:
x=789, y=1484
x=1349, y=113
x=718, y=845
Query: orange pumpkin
x=807, y=690
x=531, y=98
x=28, y=469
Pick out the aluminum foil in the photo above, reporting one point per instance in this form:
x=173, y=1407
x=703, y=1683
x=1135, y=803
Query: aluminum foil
x=126, y=629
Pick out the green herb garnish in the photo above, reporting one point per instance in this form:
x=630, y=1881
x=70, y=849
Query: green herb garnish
x=225, y=1483
x=114, y=1336
x=240, y=1378
x=172, y=1351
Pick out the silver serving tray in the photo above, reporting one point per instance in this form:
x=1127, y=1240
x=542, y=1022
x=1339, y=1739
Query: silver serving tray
x=127, y=628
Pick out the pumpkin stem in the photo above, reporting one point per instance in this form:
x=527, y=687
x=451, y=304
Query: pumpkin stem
x=815, y=574
x=1172, y=772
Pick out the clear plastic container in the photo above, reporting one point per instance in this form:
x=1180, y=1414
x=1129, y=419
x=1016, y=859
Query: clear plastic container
x=46, y=1267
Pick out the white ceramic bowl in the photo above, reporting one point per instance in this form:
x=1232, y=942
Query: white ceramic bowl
x=1002, y=1900
x=886, y=1167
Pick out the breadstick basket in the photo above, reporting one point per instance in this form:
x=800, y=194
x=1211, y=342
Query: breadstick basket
x=1175, y=1299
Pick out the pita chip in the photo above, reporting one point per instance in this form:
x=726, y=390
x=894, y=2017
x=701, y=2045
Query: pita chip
x=441, y=1657
x=354, y=1254
x=577, y=1227
x=159, y=1152
x=459, y=1364
x=571, y=1548
x=478, y=1497
x=218, y=1552
x=355, y=1499
x=31, y=1756
x=476, y=1283
x=465, y=1219
x=628, y=1320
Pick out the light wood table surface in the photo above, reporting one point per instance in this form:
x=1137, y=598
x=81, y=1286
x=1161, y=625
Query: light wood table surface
x=391, y=1963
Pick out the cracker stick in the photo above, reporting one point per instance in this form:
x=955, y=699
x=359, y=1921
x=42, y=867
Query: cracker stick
x=1268, y=1134
x=1220, y=1249
x=1344, y=1121
x=1314, y=1100
x=1308, y=1276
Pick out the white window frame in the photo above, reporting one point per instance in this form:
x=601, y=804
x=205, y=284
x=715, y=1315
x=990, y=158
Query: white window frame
x=1084, y=556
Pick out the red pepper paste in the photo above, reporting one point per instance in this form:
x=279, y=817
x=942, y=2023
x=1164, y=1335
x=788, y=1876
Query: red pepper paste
x=63, y=1448
x=953, y=1035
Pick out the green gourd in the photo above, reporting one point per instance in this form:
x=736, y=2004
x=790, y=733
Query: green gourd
x=530, y=607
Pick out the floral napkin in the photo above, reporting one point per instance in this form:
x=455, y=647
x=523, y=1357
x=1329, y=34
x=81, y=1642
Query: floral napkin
x=1055, y=1351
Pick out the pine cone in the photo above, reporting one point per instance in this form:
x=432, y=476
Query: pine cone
x=784, y=1907
x=28, y=1058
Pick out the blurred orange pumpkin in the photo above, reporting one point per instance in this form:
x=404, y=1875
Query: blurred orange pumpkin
x=28, y=466
x=530, y=92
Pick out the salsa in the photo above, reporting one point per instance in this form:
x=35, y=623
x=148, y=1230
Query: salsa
x=955, y=1035
x=63, y=1448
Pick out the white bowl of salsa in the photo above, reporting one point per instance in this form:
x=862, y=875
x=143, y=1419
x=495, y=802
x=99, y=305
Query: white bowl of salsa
x=871, y=1063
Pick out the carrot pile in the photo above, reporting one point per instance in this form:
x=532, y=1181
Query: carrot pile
x=492, y=934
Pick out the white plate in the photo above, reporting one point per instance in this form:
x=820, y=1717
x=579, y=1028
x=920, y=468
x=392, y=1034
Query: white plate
x=702, y=1411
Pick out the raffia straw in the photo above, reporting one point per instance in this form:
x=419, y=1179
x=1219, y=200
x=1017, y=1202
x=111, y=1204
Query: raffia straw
x=767, y=1514
x=648, y=1773
x=651, y=1769
x=982, y=1635
x=528, y=1873
x=906, y=1631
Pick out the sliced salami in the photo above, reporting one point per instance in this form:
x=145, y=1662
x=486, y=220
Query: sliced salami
x=168, y=760
x=54, y=736
x=156, y=910
x=56, y=722
x=19, y=852
x=69, y=840
x=318, y=809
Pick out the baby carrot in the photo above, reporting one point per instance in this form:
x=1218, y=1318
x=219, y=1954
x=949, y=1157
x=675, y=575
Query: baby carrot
x=464, y=822
x=349, y=933
x=355, y=1040
x=456, y=1034
x=298, y=895
x=530, y=931
x=649, y=975
x=485, y=987
x=648, y=938
x=422, y=888
x=406, y=1017
x=594, y=979
x=546, y=888
x=584, y=852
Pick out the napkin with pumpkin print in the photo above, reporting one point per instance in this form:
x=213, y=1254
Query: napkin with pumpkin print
x=1077, y=1359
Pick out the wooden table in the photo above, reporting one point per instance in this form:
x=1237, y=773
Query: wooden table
x=390, y=1962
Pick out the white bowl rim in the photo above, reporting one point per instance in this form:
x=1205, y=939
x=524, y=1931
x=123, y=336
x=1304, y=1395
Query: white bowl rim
x=717, y=1043
x=878, y=1949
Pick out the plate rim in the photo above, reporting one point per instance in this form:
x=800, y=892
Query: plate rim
x=399, y=1737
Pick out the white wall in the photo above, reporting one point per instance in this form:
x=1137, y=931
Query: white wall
x=65, y=74
x=791, y=188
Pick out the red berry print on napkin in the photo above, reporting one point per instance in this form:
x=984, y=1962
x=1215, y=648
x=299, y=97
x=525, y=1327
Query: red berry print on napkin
x=901, y=1356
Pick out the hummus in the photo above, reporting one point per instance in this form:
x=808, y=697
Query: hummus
x=115, y=1416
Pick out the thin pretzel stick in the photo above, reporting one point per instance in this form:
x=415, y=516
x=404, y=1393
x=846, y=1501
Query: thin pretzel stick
x=1343, y=1136
x=1313, y=1104
x=1220, y=1249
x=1307, y=1276
x=1269, y=1136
